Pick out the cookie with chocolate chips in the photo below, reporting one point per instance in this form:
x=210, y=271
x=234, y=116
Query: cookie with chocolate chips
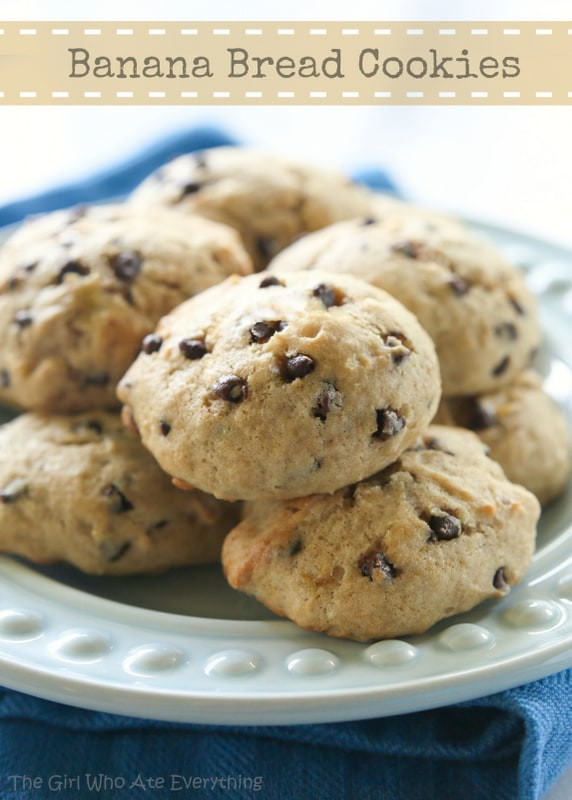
x=82, y=489
x=269, y=200
x=473, y=304
x=437, y=532
x=79, y=290
x=525, y=430
x=282, y=386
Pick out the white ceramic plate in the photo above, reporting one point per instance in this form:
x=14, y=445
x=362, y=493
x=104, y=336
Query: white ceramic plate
x=185, y=647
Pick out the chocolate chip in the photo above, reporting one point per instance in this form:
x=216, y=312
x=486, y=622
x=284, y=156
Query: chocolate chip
x=295, y=547
x=532, y=355
x=113, y=552
x=96, y=378
x=266, y=247
x=23, y=319
x=325, y=400
x=396, y=342
x=231, y=388
x=517, y=306
x=13, y=491
x=29, y=268
x=119, y=503
x=4, y=379
x=151, y=343
x=368, y=221
x=271, y=280
x=193, y=348
x=376, y=567
x=298, y=366
x=263, y=331
x=481, y=417
x=436, y=444
x=506, y=331
x=157, y=526
x=190, y=188
x=72, y=267
x=501, y=367
x=329, y=295
x=459, y=285
x=90, y=424
x=499, y=580
x=126, y=265
x=389, y=423
x=165, y=428
x=407, y=248
x=444, y=527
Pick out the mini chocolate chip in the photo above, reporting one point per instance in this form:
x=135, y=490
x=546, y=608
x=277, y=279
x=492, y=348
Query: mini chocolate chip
x=444, y=527
x=90, y=424
x=151, y=343
x=263, y=331
x=23, y=319
x=368, y=221
x=119, y=503
x=325, y=401
x=459, y=285
x=157, y=526
x=29, y=268
x=231, y=388
x=271, y=280
x=113, y=552
x=13, y=491
x=126, y=265
x=517, y=306
x=481, y=417
x=376, y=567
x=499, y=580
x=266, y=247
x=4, y=379
x=407, y=248
x=298, y=366
x=96, y=378
x=507, y=331
x=389, y=423
x=190, y=188
x=165, y=428
x=193, y=348
x=435, y=444
x=328, y=295
x=532, y=355
x=501, y=367
x=72, y=267
x=295, y=547
x=396, y=342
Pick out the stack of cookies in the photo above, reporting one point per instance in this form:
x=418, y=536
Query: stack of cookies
x=300, y=375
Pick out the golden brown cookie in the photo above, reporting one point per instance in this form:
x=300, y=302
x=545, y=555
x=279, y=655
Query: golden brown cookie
x=525, y=430
x=270, y=386
x=432, y=535
x=80, y=289
x=268, y=200
x=473, y=304
x=82, y=489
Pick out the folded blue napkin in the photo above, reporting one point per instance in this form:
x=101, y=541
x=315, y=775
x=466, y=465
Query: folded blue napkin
x=510, y=746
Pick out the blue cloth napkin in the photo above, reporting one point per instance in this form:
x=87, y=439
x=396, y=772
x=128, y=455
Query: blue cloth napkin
x=510, y=746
